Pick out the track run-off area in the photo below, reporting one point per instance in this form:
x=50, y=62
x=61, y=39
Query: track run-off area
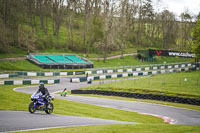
x=22, y=120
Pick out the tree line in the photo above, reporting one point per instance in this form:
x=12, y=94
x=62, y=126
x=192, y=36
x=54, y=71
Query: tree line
x=99, y=26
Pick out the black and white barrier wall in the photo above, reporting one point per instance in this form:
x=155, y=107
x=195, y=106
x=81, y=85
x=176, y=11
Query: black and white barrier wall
x=29, y=82
x=119, y=73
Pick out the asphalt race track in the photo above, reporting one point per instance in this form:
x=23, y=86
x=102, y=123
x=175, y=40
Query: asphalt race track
x=179, y=115
x=22, y=120
x=176, y=115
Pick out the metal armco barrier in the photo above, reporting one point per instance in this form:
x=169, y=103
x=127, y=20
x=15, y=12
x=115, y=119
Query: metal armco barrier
x=140, y=96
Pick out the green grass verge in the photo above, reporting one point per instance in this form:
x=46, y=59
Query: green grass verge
x=130, y=60
x=90, y=55
x=20, y=53
x=143, y=128
x=11, y=100
x=25, y=65
x=17, y=53
x=166, y=84
x=21, y=65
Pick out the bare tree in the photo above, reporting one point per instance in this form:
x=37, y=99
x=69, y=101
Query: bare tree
x=88, y=7
x=71, y=4
x=96, y=29
x=169, y=28
x=148, y=18
x=186, y=27
x=57, y=16
x=5, y=38
x=123, y=26
x=27, y=39
x=108, y=15
x=139, y=22
x=99, y=47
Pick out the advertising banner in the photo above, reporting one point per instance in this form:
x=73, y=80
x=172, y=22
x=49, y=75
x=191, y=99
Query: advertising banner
x=171, y=53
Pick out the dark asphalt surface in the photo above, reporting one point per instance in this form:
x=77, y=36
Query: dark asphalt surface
x=22, y=120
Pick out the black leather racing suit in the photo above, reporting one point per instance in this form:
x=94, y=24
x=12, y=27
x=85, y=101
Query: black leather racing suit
x=44, y=92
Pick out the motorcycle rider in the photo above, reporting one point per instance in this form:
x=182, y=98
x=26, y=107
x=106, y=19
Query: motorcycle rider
x=44, y=91
x=64, y=92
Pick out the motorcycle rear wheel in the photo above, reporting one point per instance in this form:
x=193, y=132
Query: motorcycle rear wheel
x=49, y=108
x=31, y=108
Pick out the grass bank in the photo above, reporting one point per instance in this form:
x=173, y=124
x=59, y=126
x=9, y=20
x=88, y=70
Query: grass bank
x=173, y=84
x=131, y=60
x=22, y=53
x=143, y=128
x=17, y=53
x=24, y=65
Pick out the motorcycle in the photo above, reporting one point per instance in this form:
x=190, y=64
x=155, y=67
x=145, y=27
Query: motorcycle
x=38, y=103
x=64, y=93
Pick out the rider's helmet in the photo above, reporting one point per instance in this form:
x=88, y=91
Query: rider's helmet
x=41, y=85
x=65, y=89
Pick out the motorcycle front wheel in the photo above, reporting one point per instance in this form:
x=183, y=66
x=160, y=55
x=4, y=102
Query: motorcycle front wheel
x=31, y=108
x=49, y=108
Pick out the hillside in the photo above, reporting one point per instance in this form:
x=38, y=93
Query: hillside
x=73, y=27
